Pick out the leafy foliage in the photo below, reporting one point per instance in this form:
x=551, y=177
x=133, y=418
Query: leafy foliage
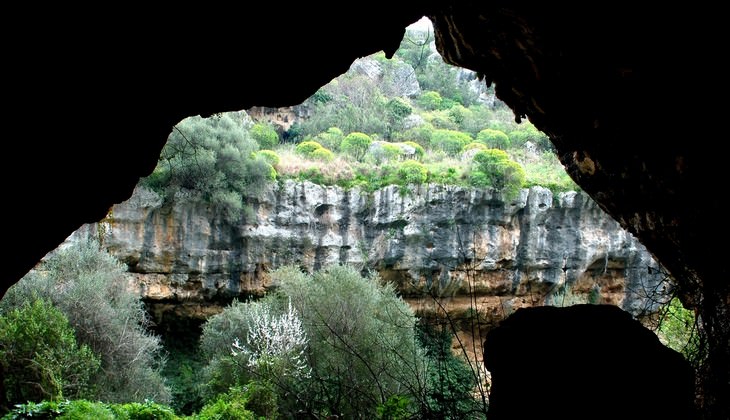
x=274, y=344
x=330, y=138
x=449, y=141
x=356, y=144
x=265, y=135
x=362, y=340
x=678, y=330
x=494, y=139
x=494, y=168
x=229, y=405
x=89, y=287
x=412, y=172
x=451, y=382
x=211, y=159
x=270, y=156
x=40, y=357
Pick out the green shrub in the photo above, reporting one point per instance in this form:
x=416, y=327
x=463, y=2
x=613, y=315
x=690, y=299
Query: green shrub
x=330, y=138
x=527, y=132
x=262, y=399
x=322, y=154
x=147, y=410
x=397, y=407
x=270, y=156
x=40, y=410
x=418, y=149
x=458, y=114
x=445, y=174
x=420, y=134
x=412, y=172
x=356, y=144
x=362, y=347
x=441, y=120
x=39, y=356
x=265, y=135
x=90, y=287
x=83, y=409
x=306, y=148
x=451, y=382
x=678, y=331
x=383, y=151
x=493, y=168
x=475, y=145
x=210, y=158
x=430, y=100
x=226, y=406
x=449, y=141
x=494, y=139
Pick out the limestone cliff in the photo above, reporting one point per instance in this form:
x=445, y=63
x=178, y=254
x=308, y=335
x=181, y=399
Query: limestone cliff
x=463, y=246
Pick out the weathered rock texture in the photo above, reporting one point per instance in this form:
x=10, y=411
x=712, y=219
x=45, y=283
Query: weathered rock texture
x=452, y=243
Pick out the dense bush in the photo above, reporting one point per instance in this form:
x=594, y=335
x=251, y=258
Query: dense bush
x=211, y=159
x=306, y=148
x=356, y=145
x=383, y=151
x=265, y=135
x=412, y=172
x=362, y=347
x=269, y=156
x=330, y=138
x=360, y=350
x=322, y=154
x=40, y=357
x=89, y=286
x=451, y=381
x=83, y=409
x=449, y=141
x=494, y=139
x=493, y=168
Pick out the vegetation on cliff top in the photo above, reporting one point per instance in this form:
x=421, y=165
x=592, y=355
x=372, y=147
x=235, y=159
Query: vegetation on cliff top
x=404, y=121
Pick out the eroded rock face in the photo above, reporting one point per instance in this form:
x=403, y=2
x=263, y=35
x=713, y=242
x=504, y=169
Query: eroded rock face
x=443, y=241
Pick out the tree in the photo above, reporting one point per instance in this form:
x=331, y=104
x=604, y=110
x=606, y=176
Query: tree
x=89, y=286
x=356, y=144
x=451, y=383
x=274, y=344
x=412, y=172
x=40, y=358
x=449, y=141
x=397, y=110
x=494, y=139
x=211, y=159
x=362, y=345
x=493, y=168
x=430, y=100
x=265, y=135
x=330, y=138
x=355, y=103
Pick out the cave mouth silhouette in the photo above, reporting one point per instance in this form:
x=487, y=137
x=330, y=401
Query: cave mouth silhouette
x=91, y=106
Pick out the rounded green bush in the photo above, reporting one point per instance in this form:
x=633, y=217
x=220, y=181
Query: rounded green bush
x=412, y=172
x=306, y=148
x=495, y=139
x=270, y=156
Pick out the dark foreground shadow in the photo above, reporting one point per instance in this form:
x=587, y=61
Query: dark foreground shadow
x=584, y=362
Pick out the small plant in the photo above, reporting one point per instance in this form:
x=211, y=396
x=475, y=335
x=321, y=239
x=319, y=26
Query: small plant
x=356, y=144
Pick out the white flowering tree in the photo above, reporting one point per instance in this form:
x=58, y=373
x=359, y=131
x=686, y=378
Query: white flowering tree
x=275, y=343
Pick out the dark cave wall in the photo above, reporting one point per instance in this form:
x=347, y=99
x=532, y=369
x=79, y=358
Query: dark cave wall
x=91, y=95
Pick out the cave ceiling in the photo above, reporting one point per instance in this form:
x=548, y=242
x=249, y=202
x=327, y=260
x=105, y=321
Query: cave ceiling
x=627, y=92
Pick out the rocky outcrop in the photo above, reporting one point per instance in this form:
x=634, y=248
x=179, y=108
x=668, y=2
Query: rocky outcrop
x=440, y=245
